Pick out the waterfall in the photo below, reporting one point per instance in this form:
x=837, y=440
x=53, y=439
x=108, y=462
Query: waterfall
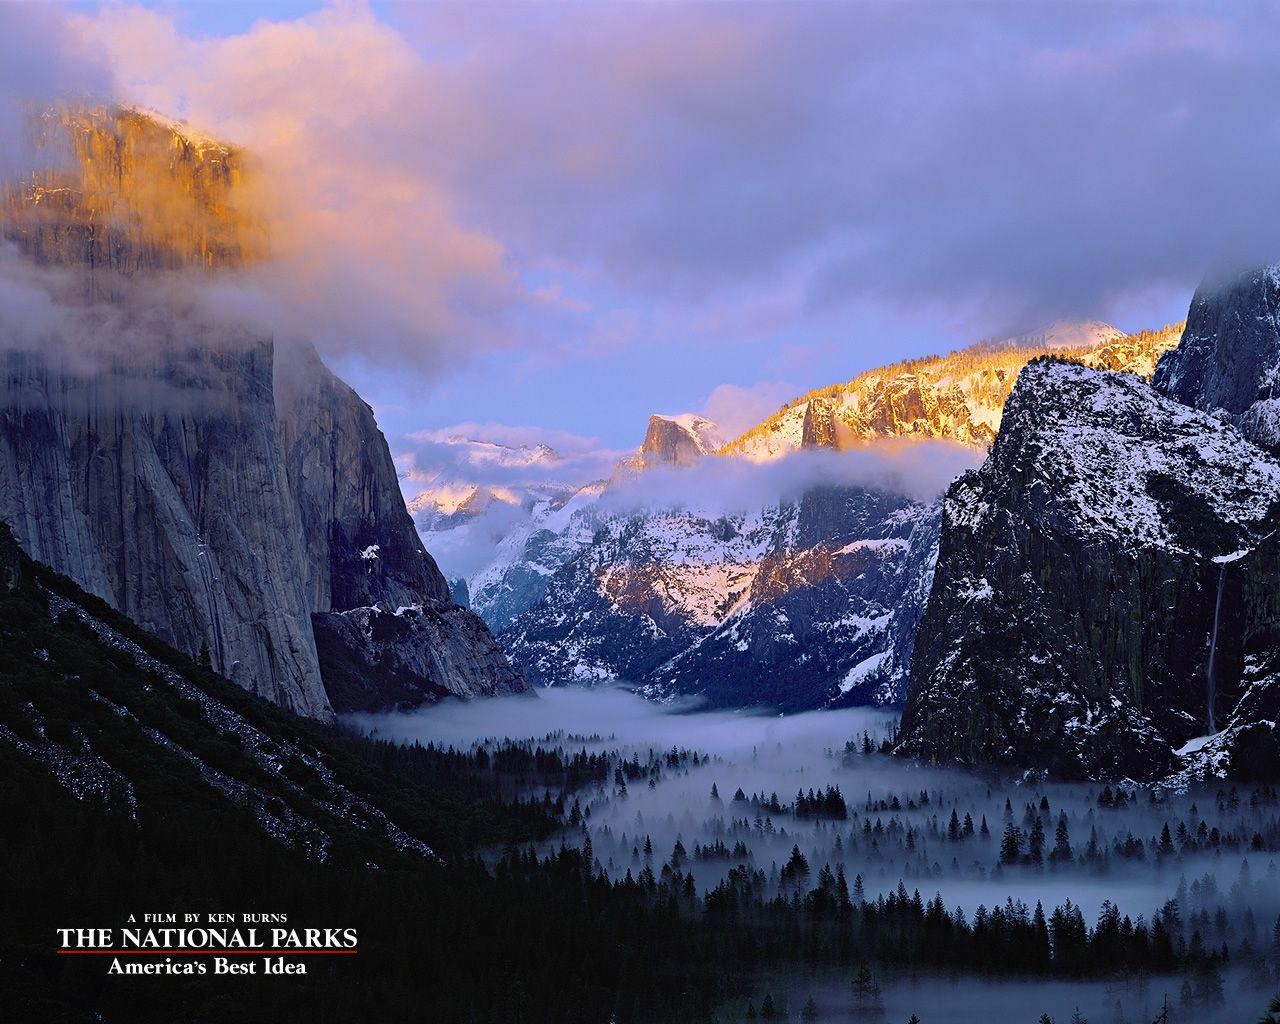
x=1213, y=648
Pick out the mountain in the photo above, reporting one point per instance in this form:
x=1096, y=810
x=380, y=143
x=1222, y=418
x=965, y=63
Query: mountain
x=797, y=605
x=127, y=192
x=521, y=552
x=803, y=602
x=674, y=441
x=1229, y=358
x=1107, y=594
x=957, y=397
x=227, y=494
x=453, y=497
x=123, y=721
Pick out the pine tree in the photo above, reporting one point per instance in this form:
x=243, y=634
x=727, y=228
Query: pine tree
x=1011, y=844
x=1035, y=845
x=1061, y=841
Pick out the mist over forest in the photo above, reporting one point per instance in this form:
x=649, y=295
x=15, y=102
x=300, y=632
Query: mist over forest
x=813, y=803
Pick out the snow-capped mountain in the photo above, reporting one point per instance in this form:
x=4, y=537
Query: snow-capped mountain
x=1106, y=593
x=797, y=605
x=793, y=602
x=454, y=496
x=679, y=440
x=958, y=396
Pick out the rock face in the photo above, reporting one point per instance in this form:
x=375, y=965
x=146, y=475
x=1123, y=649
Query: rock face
x=361, y=547
x=186, y=496
x=1086, y=615
x=1229, y=357
x=127, y=193
x=956, y=397
x=215, y=489
x=800, y=605
x=675, y=442
x=375, y=659
x=163, y=489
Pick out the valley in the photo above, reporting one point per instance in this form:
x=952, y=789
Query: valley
x=803, y=822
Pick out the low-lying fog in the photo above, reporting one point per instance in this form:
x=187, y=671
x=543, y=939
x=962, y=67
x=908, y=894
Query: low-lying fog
x=895, y=826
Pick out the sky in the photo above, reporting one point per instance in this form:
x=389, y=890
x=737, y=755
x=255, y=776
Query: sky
x=548, y=220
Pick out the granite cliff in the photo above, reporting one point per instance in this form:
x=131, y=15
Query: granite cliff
x=227, y=494
x=1105, y=602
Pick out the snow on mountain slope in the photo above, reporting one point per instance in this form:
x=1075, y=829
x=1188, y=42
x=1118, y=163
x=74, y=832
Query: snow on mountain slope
x=795, y=605
x=1099, y=586
x=957, y=396
x=454, y=495
x=644, y=579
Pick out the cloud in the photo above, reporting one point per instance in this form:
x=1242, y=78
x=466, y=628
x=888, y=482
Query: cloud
x=736, y=408
x=504, y=456
x=561, y=181
x=716, y=485
x=369, y=254
x=41, y=58
x=1014, y=164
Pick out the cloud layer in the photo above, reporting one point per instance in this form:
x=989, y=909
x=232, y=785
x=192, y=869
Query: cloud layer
x=568, y=180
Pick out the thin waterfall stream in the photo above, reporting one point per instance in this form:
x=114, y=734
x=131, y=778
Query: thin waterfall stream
x=1211, y=686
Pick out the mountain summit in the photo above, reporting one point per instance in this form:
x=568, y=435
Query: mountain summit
x=230, y=495
x=1105, y=598
x=955, y=397
x=131, y=192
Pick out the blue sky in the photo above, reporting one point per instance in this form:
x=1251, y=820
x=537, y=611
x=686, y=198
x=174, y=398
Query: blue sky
x=563, y=217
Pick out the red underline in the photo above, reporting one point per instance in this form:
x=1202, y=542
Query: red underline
x=208, y=952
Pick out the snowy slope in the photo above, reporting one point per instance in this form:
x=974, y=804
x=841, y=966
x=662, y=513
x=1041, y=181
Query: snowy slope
x=958, y=396
x=795, y=605
x=1097, y=590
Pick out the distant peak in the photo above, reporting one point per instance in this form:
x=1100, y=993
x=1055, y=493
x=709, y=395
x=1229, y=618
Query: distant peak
x=705, y=434
x=1068, y=334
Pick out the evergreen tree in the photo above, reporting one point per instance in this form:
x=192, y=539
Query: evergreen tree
x=1061, y=841
x=1035, y=844
x=1011, y=844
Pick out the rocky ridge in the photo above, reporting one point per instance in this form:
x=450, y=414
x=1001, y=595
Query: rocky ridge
x=217, y=489
x=738, y=609
x=957, y=397
x=1069, y=625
